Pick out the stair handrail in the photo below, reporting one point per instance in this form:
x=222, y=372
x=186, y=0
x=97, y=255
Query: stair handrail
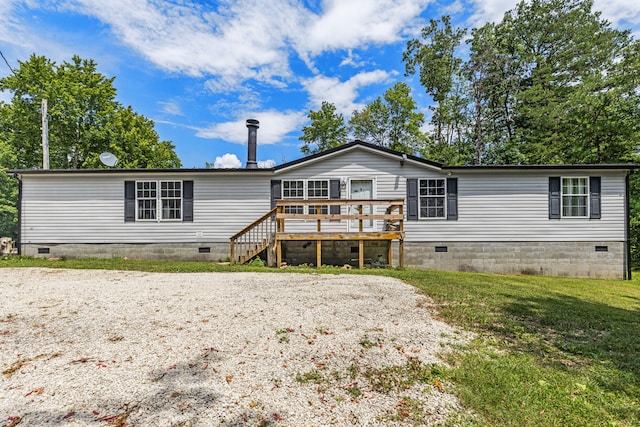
x=270, y=232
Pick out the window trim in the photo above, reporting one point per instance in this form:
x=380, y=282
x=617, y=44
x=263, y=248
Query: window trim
x=293, y=209
x=159, y=201
x=586, y=195
x=309, y=197
x=444, y=198
x=306, y=196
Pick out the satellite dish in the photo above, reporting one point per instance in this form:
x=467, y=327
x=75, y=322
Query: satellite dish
x=108, y=159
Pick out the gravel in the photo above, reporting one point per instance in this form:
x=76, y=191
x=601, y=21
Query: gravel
x=101, y=348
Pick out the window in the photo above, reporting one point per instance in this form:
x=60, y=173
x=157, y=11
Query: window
x=168, y=199
x=147, y=197
x=171, y=196
x=432, y=198
x=293, y=190
x=575, y=197
x=318, y=190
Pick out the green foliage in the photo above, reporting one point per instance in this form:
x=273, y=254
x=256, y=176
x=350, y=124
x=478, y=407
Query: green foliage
x=391, y=121
x=8, y=191
x=551, y=83
x=327, y=130
x=434, y=55
x=256, y=262
x=84, y=120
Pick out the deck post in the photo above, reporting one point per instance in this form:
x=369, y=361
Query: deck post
x=401, y=253
x=278, y=253
x=361, y=253
x=389, y=252
x=318, y=253
x=233, y=255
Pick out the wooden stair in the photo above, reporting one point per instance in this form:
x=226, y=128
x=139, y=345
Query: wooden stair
x=253, y=239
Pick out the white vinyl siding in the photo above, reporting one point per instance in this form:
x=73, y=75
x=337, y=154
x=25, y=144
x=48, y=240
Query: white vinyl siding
x=90, y=208
x=493, y=205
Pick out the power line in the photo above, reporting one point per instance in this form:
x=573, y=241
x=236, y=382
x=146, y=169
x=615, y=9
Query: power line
x=7, y=62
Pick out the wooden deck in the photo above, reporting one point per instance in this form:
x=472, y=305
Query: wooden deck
x=348, y=225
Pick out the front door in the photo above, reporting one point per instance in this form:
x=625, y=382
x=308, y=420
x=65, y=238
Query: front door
x=361, y=189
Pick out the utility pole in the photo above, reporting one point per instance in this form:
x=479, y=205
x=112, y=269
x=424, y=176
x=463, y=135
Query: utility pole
x=45, y=135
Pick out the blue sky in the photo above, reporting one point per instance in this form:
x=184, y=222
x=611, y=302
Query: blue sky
x=200, y=69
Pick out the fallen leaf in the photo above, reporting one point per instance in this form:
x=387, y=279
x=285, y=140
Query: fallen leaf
x=14, y=421
x=35, y=391
x=228, y=378
x=253, y=404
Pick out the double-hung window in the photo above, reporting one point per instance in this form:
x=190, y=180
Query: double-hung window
x=159, y=200
x=318, y=190
x=575, y=197
x=293, y=190
x=432, y=197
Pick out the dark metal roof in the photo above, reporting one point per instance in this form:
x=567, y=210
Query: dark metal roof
x=544, y=167
x=354, y=144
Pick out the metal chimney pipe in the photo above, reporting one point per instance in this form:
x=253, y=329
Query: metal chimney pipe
x=252, y=125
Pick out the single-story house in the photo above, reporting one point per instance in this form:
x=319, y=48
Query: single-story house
x=357, y=204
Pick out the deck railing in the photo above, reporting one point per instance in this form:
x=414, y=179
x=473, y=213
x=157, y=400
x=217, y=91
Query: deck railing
x=360, y=211
x=358, y=214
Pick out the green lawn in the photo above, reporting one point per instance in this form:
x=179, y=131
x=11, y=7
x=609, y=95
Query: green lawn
x=549, y=351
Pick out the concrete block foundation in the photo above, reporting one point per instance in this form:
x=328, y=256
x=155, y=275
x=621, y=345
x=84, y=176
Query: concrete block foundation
x=574, y=259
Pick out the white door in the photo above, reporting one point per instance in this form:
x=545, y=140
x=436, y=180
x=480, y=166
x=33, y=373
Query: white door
x=361, y=189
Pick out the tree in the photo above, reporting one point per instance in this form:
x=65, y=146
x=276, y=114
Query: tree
x=440, y=70
x=84, y=118
x=84, y=121
x=574, y=102
x=8, y=192
x=327, y=130
x=391, y=121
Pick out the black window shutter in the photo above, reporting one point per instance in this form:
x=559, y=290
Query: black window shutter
x=334, y=193
x=412, y=199
x=554, y=197
x=276, y=191
x=129, y=201
x=452, y=198
x=594, y=197
x=187, y=201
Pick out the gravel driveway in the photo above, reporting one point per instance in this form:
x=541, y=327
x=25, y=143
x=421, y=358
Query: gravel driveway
x=100, y=348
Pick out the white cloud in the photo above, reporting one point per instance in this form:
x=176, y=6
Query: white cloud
x=352, y=60
x=616, y=11
x=352, y=23
x=227, y=161
x=172, y=108
x=490, y=11
x=235, y=41
x=619, y=12
x=266, y=164
x=342, y=94
x=274, y=126
x=244, y=40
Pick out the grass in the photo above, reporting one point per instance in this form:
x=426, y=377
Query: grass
x=548, y=352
